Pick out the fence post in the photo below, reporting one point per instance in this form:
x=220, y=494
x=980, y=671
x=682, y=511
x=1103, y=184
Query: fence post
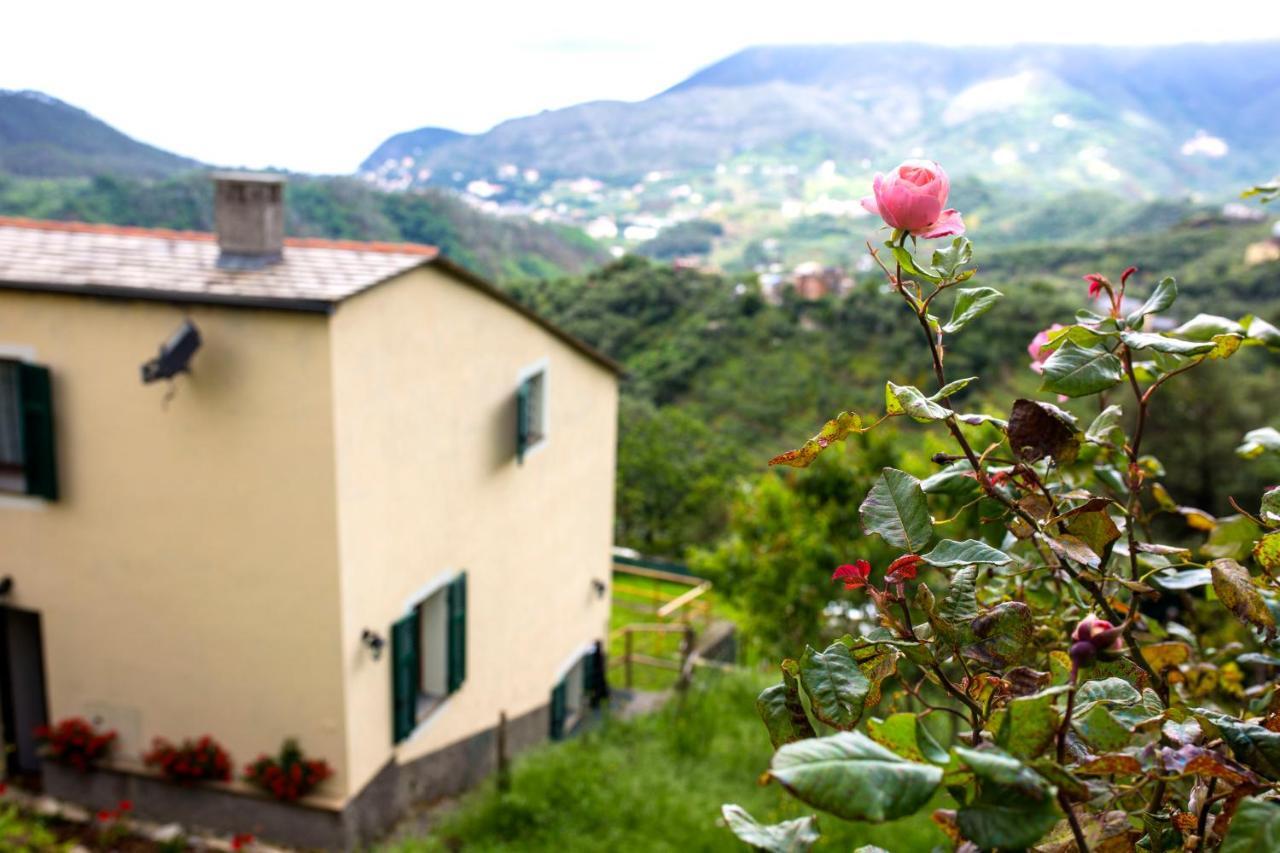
x=627, y=657
x=504, y=769
x=686, y=658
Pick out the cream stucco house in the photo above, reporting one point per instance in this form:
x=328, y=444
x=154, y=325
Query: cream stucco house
x=373, y=513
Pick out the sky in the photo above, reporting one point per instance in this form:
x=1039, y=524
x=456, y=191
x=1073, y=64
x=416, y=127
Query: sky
x=316, y=86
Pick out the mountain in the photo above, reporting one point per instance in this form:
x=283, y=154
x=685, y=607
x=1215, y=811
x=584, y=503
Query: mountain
x=765, y=154
x=40, y=136
x=1145, y=119
x=411, y=143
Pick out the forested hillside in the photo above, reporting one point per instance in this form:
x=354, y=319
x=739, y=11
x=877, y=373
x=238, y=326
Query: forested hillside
x=345, y=208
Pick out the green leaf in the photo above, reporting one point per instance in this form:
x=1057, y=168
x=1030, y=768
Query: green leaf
x=909, y=265
x=956, y=480
x=906, y=734
x=1255, y=827
x=1107, y=421
x=1003, y=636
x=836, y=686
x=1014, y=807
x=783, y=712
x=952, y=388
x=853, y=777
x=1205, y=327
x=960, y=604
x=837, y=429
x=1261, y=332
x=1079, y=371
x=1259, y=441
x=905, y=399
x=1029, y=723
x=1232, y=537
x=1236, y=591
x=1267, y=552
x=897, y=511
x=1095, y=529
x=947, y=261
x=1101, y=730
x=1160, y=299
x=1037, y=430
x=1250, y=743
x=949, y=553
x=1269, y=510
x=971, y=303
x=1161, y=343
x=792, y=836
x=1189, y=579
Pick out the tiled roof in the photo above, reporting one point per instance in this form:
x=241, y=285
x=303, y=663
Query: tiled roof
x=76, y=256
x=158, y=263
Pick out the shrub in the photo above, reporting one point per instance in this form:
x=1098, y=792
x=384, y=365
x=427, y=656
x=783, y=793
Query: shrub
x=1097, y=700
x=75, y=743
x=202, y=760
x=289, y=775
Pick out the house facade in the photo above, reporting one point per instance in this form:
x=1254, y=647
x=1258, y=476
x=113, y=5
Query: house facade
x=373, y=512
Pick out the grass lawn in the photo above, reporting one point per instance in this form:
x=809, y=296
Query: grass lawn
x=635, y=600
x=654, y=783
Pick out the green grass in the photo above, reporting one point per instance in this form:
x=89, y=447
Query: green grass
x=648, y=594
x=654, y=783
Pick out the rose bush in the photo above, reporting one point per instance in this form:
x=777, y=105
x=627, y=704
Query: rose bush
x=1078, y=715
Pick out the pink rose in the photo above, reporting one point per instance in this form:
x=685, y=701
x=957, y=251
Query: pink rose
x=1037, y=347
x=912, y=198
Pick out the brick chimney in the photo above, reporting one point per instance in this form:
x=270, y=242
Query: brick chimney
x=248, y=216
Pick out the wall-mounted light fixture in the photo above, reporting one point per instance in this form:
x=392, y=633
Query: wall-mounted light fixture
x=6, y=585
x=175, y=354
x=599, y=586
x=374, y=641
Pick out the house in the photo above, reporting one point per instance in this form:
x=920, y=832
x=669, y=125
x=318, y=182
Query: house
x=359, y=498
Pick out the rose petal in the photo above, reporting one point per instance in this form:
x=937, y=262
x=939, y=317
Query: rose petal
x=949, y=224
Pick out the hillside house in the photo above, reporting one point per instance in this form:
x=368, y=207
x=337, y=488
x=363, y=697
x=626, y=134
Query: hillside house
x=365, y=501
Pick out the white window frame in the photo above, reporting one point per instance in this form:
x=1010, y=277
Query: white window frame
x=428, y=706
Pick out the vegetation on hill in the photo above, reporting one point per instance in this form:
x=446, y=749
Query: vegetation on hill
x=497, y=248
x=41, y=136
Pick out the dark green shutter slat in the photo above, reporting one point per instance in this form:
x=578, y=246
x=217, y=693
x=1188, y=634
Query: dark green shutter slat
x=594, y=685
x=405, y=674
x=559, y=702
x=35, y=396
x=457, y=631
x=522, y=419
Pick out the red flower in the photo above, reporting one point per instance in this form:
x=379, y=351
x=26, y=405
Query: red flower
x=1124, y=276
x=241, y=840
x=903, y=568
x=125, y=806
x=854, y=576
x=104, y=816
x=1097, y=283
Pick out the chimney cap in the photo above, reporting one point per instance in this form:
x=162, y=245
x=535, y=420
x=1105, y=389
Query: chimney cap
x=250, y=177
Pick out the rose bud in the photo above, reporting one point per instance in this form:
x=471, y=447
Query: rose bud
x=912, y=198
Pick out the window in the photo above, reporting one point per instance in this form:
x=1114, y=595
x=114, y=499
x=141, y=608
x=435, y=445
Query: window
x=428, y=655
x=531, y=413
x=27, y=464
x=582, y=687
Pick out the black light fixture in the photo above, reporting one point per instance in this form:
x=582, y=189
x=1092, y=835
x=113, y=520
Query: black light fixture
x=599, y=586
x=175, y=354
x=6, y=585
x=374, y=641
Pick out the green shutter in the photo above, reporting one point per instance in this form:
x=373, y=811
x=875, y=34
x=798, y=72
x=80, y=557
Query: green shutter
x=594, y=687
x=405, y=676
x=457, y=630
x=522, y=419
x=36, y=400
x=559, y=703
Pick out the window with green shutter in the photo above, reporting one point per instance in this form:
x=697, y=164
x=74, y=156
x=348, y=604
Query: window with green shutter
x=429, y=655
x=559, y=709
x=404, y=676
x=28, y=461
x=531, y=413
x=457, y=632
